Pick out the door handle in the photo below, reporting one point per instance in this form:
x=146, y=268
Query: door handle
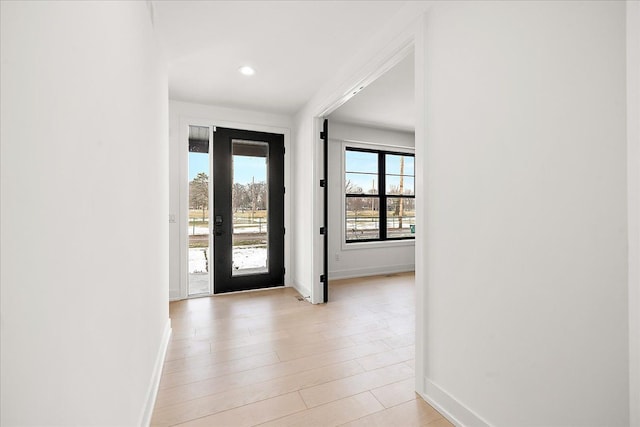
x=218, y=225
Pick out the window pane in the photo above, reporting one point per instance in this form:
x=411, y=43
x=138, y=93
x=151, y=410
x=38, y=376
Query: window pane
x=250, y=196
x=401, y=217
x=358, y=161
x=401, y=184
x=399, y=174
x=361, y=183
x=362, y=218
x=198, y=232
x=399, y=165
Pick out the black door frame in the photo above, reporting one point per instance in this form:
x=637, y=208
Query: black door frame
x=324, y=278
x=224, y=280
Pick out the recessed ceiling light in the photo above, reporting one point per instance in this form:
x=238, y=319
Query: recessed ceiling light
x=247, y=71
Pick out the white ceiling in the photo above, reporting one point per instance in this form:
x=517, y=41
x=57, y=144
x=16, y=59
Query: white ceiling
x=387, y=103
x=295, y=46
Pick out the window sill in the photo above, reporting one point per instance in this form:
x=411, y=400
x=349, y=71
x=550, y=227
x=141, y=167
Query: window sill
x=377, y=245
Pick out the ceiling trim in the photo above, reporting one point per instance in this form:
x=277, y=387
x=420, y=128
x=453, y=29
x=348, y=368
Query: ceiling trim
x=387, y=63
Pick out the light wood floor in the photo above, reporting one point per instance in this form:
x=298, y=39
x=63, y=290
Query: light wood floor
x=267, y=358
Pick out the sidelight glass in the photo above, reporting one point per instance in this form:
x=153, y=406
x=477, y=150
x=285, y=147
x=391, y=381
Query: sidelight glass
x=250, y=207
x=199, y=250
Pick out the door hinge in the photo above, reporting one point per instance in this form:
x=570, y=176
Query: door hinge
x=284, y=190
x=284, y=230
x=322, y=183
x=322, y=278
x=323, y=135
x=322, y=230
x=284, y=270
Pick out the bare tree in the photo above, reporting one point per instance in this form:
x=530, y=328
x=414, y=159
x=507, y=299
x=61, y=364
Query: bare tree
x=199, y=193
x=239, y=197
x=250, y=197
x=351, y=188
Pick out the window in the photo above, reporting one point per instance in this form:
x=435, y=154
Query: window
x=379, y=195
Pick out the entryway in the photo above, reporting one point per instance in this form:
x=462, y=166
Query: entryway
x=246, y=231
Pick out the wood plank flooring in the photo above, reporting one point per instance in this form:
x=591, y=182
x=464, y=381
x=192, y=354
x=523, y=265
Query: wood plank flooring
x=267, y=358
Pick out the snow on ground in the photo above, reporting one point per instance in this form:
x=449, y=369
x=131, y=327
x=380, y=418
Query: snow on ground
x=249, y=257
x=197, y=260
x=243, y=257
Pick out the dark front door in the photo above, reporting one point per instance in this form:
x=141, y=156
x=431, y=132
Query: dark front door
x=248, y=206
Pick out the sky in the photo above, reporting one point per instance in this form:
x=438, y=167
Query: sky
x=358, y=161
x=362, y=170
x=355, y=161
x=244, y=167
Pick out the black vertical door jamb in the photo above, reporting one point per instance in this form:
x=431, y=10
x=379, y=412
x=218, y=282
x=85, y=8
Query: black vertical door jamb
x=325, y=262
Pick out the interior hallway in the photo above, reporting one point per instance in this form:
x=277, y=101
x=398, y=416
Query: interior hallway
x=269, y=358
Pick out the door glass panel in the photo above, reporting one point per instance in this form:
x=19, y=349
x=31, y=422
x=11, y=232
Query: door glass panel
x=199, y=251
x=250, y=196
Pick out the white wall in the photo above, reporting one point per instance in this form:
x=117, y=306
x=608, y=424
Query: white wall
x=305, y=220
x=84, y=311
x=365, y=258
x=181, y=115
x=525, y=261
x=633, y=185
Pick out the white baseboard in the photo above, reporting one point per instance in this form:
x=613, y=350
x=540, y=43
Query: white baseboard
x=370, y=271
x=302, y=290
x=450, y=407
x=175, y=296
x=152, y=391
